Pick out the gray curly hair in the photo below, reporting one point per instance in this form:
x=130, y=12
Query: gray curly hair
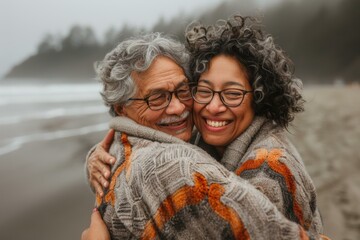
x=277, y=92
x=135, y=54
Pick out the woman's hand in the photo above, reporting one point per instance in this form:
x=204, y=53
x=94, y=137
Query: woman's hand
x=98, y=164
x=97, y=229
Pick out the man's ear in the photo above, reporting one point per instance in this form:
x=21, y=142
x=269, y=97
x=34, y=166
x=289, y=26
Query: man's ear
x=120, y=110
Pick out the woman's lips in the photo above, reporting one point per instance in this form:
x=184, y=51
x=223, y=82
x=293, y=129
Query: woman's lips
x=216, y=125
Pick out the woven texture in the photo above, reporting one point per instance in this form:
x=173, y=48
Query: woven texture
x=266, y=158
x=164, y=188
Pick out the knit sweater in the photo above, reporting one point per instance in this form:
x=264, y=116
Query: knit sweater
x=264, y=156
x=162, y=187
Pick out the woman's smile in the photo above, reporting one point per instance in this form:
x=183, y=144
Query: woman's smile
x=219, y=124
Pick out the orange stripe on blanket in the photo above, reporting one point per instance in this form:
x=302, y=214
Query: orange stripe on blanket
x=98, y=200
x=227, y=213
x=323, y=237
x=184, y=196
x=272, y=159
x=261, y=156
x=191, y=196
x=110, y=196
x=281, y=168
x=303, y=235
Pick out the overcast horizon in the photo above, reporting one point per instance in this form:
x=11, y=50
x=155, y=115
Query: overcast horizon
x=24, y=24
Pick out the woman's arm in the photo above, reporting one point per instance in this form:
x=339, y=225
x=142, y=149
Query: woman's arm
x=98, y=162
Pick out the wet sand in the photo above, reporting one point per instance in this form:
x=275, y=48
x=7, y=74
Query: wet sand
x=327, y=136
x=44, y=191
x=44, y=194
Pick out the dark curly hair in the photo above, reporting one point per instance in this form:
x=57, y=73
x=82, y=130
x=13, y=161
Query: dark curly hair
x=271, y=73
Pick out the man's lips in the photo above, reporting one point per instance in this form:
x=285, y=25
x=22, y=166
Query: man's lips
x=175, y=127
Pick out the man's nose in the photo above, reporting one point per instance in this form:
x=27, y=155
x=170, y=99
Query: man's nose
x=175, y=107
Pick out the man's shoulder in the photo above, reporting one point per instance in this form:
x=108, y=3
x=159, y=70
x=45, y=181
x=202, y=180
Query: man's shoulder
x=168, y=150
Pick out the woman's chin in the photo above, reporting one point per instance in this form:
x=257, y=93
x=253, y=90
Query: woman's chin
x=215, y=141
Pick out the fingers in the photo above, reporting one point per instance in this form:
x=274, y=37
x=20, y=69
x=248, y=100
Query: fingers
x=98, y=164
x=98, y=174
x=101, y=153
x=96, y=167
x=98, y=188
x=108, y=139
x=100, y=179
x=104, y=156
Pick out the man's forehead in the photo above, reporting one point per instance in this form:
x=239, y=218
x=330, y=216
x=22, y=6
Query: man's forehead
x=162, y=86
x=163, y=74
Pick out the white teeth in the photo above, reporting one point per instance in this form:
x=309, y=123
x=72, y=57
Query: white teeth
x=216, y=123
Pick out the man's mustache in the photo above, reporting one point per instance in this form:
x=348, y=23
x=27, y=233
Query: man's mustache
x=174, y=119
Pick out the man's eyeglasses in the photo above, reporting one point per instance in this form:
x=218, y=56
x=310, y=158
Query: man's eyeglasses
x=161, y=99
x=230, y=97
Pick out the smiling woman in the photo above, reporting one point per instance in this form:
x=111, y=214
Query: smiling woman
x=222, y=118
x=246, y=96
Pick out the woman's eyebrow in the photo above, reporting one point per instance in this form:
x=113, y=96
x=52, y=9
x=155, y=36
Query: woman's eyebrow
x=205, y=81
x=226, y=84
x=231, y=83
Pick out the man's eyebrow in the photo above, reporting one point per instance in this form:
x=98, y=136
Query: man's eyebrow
x=184, y=81
x=155, y=90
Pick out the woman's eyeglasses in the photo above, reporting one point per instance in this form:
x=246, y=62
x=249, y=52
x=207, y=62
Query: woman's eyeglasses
x=230, y=97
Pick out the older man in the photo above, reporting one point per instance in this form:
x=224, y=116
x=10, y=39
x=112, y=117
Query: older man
x=162, y=186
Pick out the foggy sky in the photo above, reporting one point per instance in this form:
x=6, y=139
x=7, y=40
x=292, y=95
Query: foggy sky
x=24, y=23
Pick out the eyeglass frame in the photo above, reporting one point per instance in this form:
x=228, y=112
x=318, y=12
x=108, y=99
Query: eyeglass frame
x=171, y=93
x=220, y=96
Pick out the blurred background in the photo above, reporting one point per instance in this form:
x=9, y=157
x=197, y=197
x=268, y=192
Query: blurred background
x=51, y=112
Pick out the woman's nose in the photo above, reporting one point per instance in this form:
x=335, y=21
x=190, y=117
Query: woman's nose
x=216, y=105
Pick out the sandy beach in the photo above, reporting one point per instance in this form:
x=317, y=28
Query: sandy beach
x=327, y=136
x=45, y=195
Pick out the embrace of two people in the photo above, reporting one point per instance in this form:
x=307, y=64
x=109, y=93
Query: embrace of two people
x=235, y=175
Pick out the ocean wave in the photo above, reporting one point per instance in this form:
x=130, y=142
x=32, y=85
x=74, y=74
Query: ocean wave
x=53, y=113
x=17, y=142
x=28, y=94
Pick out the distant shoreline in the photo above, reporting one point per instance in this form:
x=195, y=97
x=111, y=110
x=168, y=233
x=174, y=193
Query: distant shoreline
x=59, y=80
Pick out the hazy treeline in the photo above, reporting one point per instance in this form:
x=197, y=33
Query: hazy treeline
x=322, y=38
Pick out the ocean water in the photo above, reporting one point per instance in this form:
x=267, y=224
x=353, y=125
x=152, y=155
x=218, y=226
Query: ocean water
x=46, y=129
x=27, y=110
